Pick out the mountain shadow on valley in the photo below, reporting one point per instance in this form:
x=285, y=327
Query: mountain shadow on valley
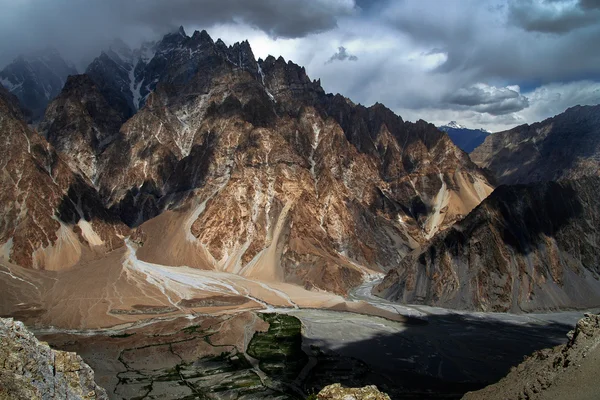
x=443, y=359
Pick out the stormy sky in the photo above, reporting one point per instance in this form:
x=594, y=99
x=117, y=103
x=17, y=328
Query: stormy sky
x=484, y=63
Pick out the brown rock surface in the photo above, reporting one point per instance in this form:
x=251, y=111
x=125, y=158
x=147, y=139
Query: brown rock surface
x=52, y=218
x=241, y=178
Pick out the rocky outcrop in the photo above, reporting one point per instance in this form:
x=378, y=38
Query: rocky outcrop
x=525, y=248
x=30, y=369
x=566, y=146
x=337, y=392
x=36, y=79
x=569, y=371
x=52, y=217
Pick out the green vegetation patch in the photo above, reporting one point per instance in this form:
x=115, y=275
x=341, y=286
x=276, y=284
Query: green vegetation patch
x=192, y=329
x=279, y=350
x=122, y=335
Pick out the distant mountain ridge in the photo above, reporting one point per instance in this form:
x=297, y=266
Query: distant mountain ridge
x=36, y=78
x=126, y=76
x=465, y=138
x=118, y=73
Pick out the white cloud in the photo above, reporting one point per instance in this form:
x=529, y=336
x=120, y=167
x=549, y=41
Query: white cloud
x=544, y=102
x=489, y=99
x=549, y=100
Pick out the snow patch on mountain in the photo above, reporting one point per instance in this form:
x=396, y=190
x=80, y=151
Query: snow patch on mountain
x=8, y=85
x=455, y=125
x=135, y=89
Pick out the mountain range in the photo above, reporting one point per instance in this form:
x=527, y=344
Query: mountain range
x=187, y=178
x=209, y=158
x=531, y=245
x=234, y=165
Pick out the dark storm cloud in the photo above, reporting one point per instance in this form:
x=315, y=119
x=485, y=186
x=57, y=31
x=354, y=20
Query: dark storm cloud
x=77, y=27
x=341, y=55
x=489, y=99
x=589, y=4
x=279, y=18
x=554, y=16
x=485, y=42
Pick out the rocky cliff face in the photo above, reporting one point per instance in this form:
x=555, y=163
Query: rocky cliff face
x=30, y=369
x=81, y=124
x=569, y=371
x=525, y=248
x=566, y=146
x=52, y=217
x=118, y=74
x=36, y=79
x=248, y=167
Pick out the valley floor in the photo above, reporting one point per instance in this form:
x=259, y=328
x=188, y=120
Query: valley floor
x=429, y=353
x=153, y=331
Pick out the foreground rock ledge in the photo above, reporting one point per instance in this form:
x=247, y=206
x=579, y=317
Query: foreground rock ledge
x=568, y=371
x=30, y=369
x=337, y=392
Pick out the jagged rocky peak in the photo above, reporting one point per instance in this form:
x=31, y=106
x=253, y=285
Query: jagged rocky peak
x=524, y=248
x=31, y=370
x=566, y=146
x=288, y=84
x=456, y=125
x=127, y=77
x=80, y=124
x=36, y=78
x=80, y=84
x=203, y=36
x=172, y=39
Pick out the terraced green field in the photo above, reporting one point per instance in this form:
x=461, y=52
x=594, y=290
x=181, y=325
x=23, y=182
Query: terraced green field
x=279, y=350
